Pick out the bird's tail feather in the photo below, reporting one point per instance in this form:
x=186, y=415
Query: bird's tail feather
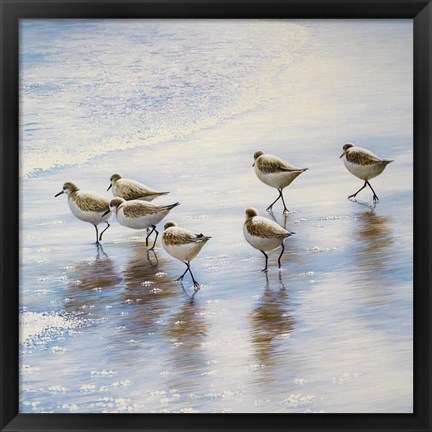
x=171, y=206
x=202, y=238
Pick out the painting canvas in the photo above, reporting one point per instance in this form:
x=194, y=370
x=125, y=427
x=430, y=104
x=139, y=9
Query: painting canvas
x=151, y=152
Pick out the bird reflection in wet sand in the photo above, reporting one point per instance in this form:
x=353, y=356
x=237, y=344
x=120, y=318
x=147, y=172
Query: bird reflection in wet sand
x=190, y=295
x=187, y=331
x=373, y=270
x=148, y=292
x=271, y=322
x=91, y=282
x=374, y=238
x=152, y=257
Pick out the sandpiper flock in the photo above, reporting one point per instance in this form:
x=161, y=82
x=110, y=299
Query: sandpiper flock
x=133, y=208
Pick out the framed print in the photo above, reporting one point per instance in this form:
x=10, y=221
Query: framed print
x=215, y=209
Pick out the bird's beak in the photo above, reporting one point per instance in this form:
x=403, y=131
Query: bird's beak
x=109, y=187
x=253, y=164
x=56, y=195
x=341, y=155
x=106, y=212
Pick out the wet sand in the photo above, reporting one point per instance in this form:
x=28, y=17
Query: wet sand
x=107, y=329
x=331, y=331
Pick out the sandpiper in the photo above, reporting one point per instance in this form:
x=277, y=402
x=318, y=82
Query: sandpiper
x=276, y=173
x=132, y=190
x=184, y=245
x=264, y=234
x=87, y=206
x=139, y=215
x=363, y=164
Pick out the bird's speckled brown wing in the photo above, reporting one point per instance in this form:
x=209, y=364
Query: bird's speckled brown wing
x=89, y=201
x=178, y=236
x=131, y=190
x=262, y=227
x=272, y=164
x=362, y=156
x=137, y=209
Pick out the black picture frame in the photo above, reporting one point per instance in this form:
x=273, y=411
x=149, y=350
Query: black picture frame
x=13, y=10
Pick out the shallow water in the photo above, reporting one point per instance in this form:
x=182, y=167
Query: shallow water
x=107, y=329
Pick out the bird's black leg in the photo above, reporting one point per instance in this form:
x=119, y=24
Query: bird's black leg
x=280, y=256
x=269, y=208
x=286, y=211
x=182, y=276
x=354, y=195
x=266, y=256
x=375, y=196
x=108, y=225
x=196, y=284
x=149, y=234
x=157, y=233
x=97, y=234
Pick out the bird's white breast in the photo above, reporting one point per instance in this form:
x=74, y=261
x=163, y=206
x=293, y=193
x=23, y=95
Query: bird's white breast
x=184, y=252
x=363, y=172
x=277, y=180
x=141, y=222
x=92, y=217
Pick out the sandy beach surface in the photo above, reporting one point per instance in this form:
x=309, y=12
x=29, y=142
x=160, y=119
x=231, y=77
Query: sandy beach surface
x=107, y=329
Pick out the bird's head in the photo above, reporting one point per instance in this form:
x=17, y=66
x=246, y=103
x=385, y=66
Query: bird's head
x=113, y=179
x=68, y=188
x=345, y=148
x=250, y=213
x=114, y=204
x=257, y=154
x=169, y=224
